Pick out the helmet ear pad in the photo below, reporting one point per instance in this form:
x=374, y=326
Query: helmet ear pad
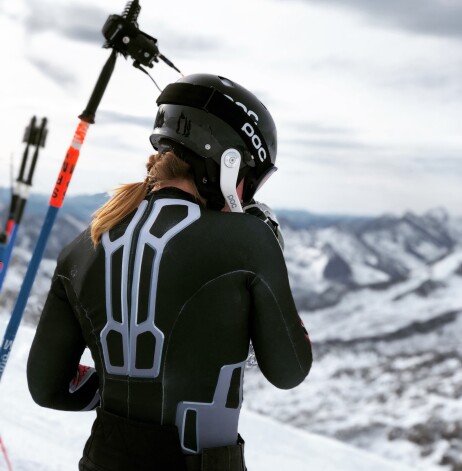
x=206, y=172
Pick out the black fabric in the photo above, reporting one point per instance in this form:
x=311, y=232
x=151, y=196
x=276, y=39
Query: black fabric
x=221, y=282
x=225, y=458
x=119, y=444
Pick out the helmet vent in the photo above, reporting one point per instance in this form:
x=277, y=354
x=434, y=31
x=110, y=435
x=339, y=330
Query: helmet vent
x=226, y=82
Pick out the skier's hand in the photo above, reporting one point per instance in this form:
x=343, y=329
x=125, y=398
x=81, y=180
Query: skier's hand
x=82, y=375
x=265, y=213
x=84, y=386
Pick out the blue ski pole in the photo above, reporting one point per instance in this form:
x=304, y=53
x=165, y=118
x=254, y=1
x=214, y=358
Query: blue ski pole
x=122, y=36
x=56, y=201
x=6, y=250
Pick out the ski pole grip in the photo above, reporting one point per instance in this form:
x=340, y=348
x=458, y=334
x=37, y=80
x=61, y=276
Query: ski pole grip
x=41, y=137
x=88, y=115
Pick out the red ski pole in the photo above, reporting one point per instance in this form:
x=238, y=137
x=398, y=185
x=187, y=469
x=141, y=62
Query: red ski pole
x=5, y=455
x=122, y=36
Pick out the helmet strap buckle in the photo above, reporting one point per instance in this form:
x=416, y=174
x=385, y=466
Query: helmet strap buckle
x=229, y=170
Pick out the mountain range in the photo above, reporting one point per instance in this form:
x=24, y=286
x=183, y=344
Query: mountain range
x=382, y=300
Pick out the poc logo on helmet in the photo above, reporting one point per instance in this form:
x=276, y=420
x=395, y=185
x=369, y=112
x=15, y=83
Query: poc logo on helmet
x=251, y=113
x=256, y=141
x=231, y=201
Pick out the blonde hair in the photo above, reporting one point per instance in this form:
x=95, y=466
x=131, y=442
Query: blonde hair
x=126, y=198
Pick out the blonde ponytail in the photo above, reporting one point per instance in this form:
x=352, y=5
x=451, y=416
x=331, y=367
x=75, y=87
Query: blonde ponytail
x=128, y=197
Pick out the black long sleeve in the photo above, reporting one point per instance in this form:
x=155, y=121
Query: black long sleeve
x=168, y=304
x=55, y=354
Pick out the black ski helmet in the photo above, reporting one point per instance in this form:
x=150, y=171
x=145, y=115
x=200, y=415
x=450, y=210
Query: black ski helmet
x=201, y=116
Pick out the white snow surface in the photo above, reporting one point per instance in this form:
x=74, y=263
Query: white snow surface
x=39, y=439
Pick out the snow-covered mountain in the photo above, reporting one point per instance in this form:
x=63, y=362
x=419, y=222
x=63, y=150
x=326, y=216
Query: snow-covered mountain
x=382, y=300
x=40, y=439
x=330, y=259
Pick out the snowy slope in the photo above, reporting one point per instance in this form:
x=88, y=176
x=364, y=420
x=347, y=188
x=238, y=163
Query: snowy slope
x=40, y=439
x=387, y=371
x=382, y=300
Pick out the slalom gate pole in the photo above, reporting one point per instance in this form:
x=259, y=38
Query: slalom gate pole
x=55, y=203
x=36, y=137
x=5, y=455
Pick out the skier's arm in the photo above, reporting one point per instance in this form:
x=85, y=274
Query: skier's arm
x=55, y=378
x=281, y=343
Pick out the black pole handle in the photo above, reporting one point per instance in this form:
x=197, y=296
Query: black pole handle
x=28, y=139
x=88, y=114
x=40, y=142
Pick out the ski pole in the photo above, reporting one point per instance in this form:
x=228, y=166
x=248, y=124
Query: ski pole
x=122, y=35
x=5, y=236
x=37, y=137
x=55, y=203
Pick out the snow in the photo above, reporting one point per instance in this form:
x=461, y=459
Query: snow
x=444, y=268
x=364, y=274
x=387, y=374
x=379, y=382
x=41, y=439
x=373, y=313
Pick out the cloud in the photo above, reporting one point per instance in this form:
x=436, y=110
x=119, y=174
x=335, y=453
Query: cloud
x=330, y=144
x=84, y=23
x=443, y=164
x=323, y=139
x=54, y=72
x=443, y=81
x=146, y=122
x=430, y=17
x=340, y=149
x=317, y=128
x=81, y=23
x=183, y=45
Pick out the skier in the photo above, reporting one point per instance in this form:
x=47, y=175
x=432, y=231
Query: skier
x=168, y=287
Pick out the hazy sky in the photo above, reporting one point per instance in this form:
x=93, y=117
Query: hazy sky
x=366, y=94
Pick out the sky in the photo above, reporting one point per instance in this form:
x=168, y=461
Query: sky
x=366, y=95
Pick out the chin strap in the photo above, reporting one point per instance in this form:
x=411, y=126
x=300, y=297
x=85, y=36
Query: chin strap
x=229, y=170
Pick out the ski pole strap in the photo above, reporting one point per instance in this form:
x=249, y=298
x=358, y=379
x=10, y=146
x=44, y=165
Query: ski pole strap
x=213, y=101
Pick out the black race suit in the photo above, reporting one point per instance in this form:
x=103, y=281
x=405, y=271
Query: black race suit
x=167, y=304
